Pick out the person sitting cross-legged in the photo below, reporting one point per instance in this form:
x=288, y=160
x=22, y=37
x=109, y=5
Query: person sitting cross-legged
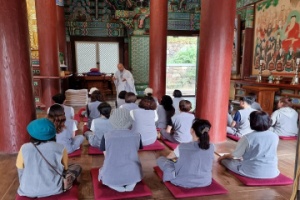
x=285, y=119
x=255, y=155
x=37, y=178
x=240, y=125
x=65, y=129
x=130, y=99
x=144, y=120
x=121, y=169
x=178, y=129
x=99, y=125
x=91, y=108
x=165, y=111
x=190, y=164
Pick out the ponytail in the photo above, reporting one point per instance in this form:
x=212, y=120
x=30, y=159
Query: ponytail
x=204, y=139
x=201, y=128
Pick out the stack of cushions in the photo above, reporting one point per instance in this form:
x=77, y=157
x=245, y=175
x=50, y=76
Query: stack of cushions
x=76, y=97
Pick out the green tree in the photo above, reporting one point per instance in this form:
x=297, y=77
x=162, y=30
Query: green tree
x=185, y=55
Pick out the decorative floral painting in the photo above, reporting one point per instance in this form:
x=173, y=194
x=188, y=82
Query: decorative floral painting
x=235, y=62
x=277, y=36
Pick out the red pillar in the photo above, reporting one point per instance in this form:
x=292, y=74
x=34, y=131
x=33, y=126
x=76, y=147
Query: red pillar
x=216, y=39
x=158, y=46
x=17, y=101
x=48, y=48
x=61, y=29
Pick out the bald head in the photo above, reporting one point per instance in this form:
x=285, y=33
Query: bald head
x=120, y=67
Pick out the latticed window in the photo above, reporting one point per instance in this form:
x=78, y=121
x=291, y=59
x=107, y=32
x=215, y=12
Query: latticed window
x=88, y=54
x=108, y=56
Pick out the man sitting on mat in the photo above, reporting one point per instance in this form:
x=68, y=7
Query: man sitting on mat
x=240, y=125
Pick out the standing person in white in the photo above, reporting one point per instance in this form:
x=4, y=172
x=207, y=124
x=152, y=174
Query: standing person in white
x=123, y=80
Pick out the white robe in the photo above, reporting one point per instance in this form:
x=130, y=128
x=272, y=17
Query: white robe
x=127, y=85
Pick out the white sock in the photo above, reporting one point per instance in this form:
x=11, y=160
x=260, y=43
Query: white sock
x=117, y=188
x=129, y=188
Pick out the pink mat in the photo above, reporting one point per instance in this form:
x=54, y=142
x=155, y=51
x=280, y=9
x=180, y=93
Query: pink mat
x=279, y=180
x=155, y=146
x=85, y=128
x=72, y=194
x=233, y=137
x=288, y=137
x=94, y=151
x=84, y=119
x=77, y=118
x=102, y=192
x=180, y=192
x=75, y=153
x=171, y=145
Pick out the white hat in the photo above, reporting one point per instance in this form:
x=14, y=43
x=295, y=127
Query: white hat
x=92, y=90
x=148, y=91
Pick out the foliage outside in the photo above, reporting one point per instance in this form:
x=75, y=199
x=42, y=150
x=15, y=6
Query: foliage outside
x=181, y=64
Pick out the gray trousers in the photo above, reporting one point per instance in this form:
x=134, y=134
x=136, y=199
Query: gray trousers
x=168, y=136
x=76, y=142
x=167, y=166
x=232, y=165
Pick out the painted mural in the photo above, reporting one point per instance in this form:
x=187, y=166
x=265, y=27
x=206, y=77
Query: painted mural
x=121, y=18
x=33, y=33
x=277, y=36
x=235, y=47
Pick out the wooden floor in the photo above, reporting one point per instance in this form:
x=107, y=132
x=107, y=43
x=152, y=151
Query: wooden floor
x=286, y=154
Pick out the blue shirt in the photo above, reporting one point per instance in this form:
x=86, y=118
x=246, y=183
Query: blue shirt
x=237, y=116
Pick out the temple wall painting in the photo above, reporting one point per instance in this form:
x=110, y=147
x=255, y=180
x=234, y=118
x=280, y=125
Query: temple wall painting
x=235, y=61
x=276, y=37
x=32, y=25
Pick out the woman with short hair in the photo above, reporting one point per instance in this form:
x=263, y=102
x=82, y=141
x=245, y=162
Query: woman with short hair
x=255, y=155
x=144, y=120
x=178, y=129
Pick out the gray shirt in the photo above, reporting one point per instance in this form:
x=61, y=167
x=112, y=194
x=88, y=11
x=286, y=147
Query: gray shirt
x=144, y=123
x=285, y=122
x=99, y=127
x=193, y=168
x=243, y=127
x=259, y=153
x=162, y=117
x=176, y=101
x=121, y=164
x=130, y=106
x=38, y=178
x=182, y=124
x=66, y=136
x=256, y=106
x=93, y=112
